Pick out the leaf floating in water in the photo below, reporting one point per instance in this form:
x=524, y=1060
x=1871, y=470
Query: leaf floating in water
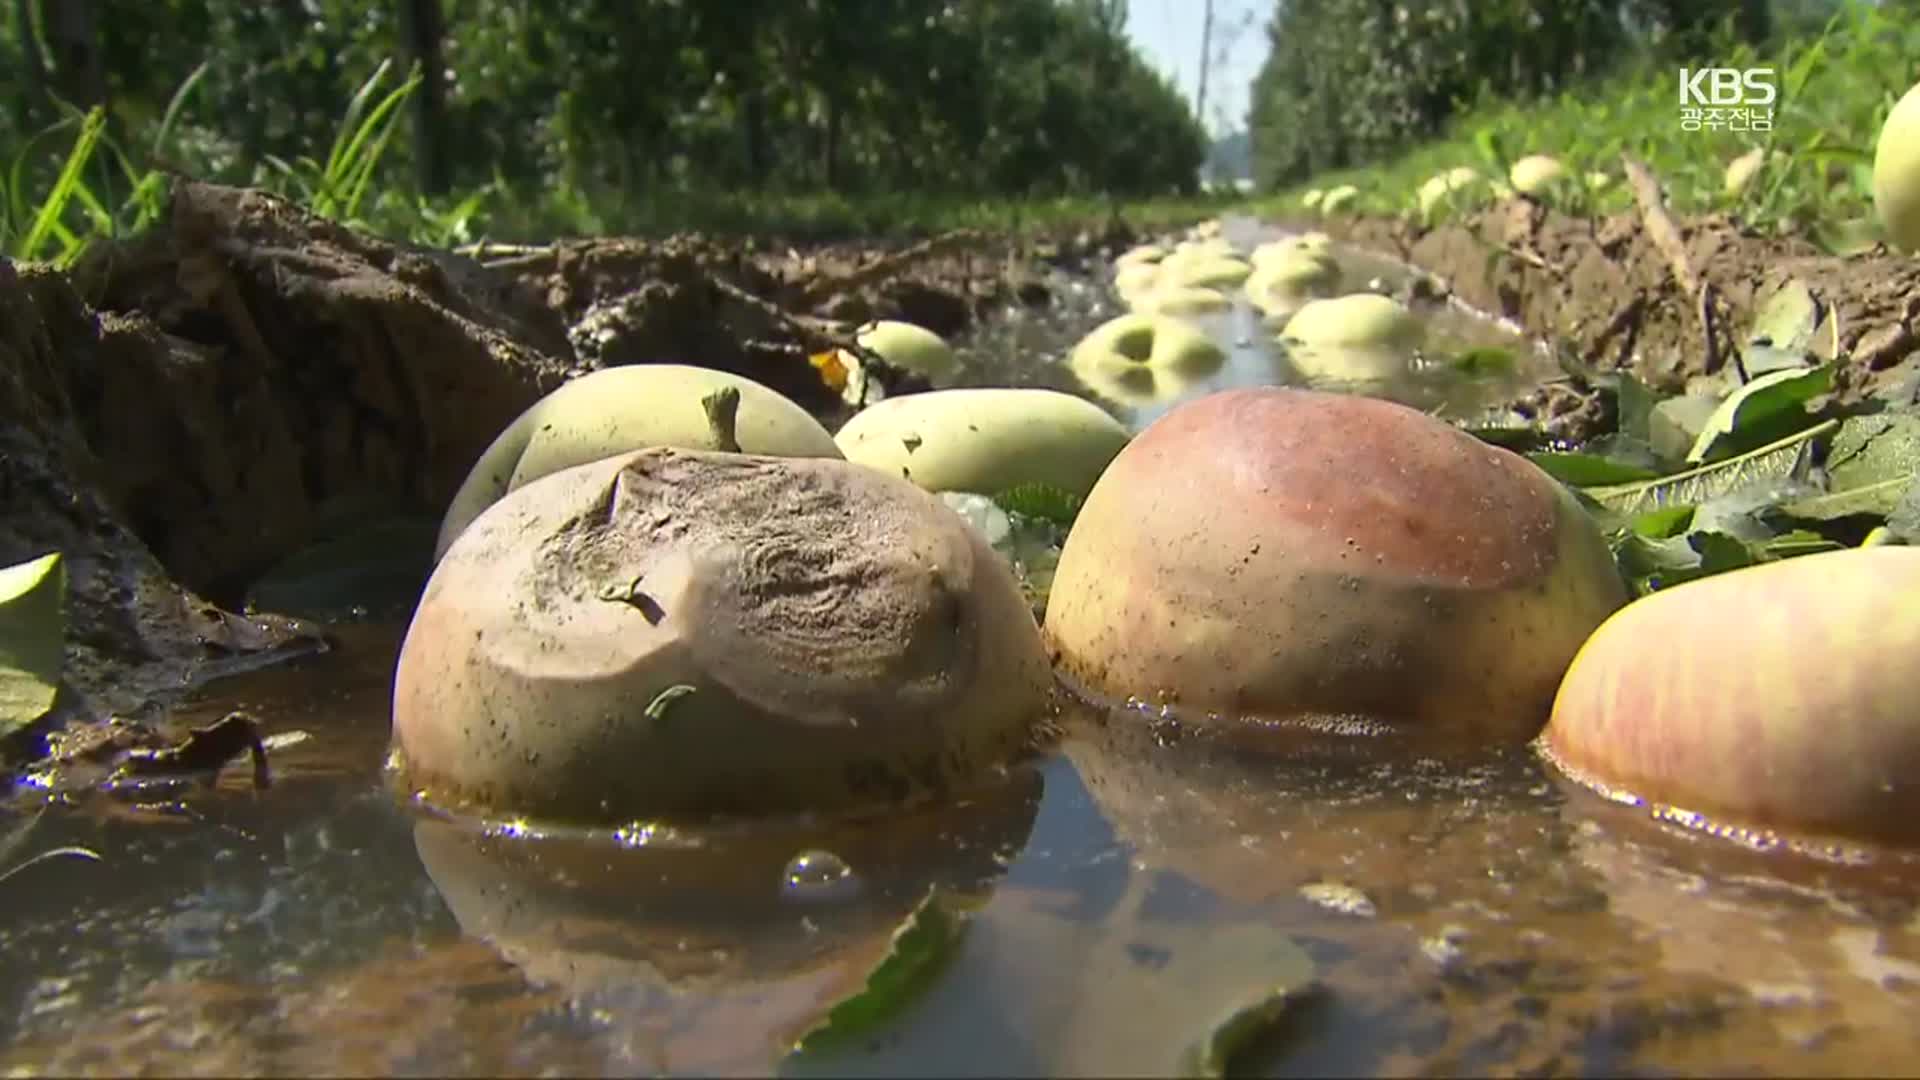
x=921, y=947
x=33, y=632
x=665, y=699
x=204, y=750
x=1210, y=1056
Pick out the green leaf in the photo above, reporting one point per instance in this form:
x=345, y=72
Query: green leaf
x=1210, y=1056
x=1870, y=467
x=1761, y=360
x=1588, y=470
x=1770, y=463
x=1768, y=408
x=1664, y=523
x=1799, y=542
x=1043, y=501
x=921, y=947
x=1636, y=402
x=33, y=633
x=1904, y=521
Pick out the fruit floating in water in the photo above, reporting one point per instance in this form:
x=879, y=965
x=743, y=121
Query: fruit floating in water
x=1775, y=698
x=1362, y=337
x=629, y=408
x=1163, y=342
x=985, y=440
x=1896, y=172
x=669, y=633
x=1281, y=286
x=1292, y=557
x=1203, y=270
x=1180, y=300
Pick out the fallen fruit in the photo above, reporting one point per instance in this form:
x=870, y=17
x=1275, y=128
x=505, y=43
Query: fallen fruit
x=1896, y=172
x=1775, y=697
x=1303, y=558
x=682, y=633
x=628, y=408
x=985, y=440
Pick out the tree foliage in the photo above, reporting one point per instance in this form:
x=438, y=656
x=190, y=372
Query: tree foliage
x=1352, y=81
x=954, y=97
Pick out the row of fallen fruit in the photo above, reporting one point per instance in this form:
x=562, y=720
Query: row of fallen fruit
x=668, y=591
x=1894, y=179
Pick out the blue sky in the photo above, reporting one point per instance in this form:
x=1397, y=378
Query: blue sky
x=1167, y=33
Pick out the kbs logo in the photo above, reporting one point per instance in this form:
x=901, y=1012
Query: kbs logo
x=1733, y=99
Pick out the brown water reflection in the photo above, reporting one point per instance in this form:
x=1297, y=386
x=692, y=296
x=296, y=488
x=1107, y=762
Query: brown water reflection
x=1469, y=916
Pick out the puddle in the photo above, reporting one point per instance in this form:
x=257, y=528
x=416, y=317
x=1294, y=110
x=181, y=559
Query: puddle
x=1025, y=348
x=1476, y=916
x=1472, y=917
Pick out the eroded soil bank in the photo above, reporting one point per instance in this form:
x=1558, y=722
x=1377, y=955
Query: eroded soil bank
x=1667, y=307
x=183, y=409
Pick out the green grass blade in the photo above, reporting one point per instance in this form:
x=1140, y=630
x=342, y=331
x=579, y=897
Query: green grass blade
x=350, y=124
x=174, y=105
x=63, y=188
x=385, y=119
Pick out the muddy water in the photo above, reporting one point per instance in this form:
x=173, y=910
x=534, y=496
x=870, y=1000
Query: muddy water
x=1128, y=891
x=1031, y=349
x=1470, y=917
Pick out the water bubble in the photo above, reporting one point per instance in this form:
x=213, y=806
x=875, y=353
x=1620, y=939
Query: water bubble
x=818, y=875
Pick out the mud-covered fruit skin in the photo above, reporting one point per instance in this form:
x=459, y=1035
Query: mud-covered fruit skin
x=686, y=633
x=1290, y=556
x=1777, y=697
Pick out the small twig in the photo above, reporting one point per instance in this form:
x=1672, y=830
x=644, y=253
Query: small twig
x=1659, y=225
x=887, y=265
x=1707, y=294
x=815, y=334
x=485, y=251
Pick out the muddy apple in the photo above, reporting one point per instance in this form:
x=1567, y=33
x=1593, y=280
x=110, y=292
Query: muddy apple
x=671, y=632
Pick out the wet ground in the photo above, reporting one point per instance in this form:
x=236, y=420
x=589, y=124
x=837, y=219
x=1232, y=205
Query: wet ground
x=1467, y=917
x=1473, y=916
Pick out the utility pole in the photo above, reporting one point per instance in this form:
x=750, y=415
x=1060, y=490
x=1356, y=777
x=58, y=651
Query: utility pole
x=1206, y=58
